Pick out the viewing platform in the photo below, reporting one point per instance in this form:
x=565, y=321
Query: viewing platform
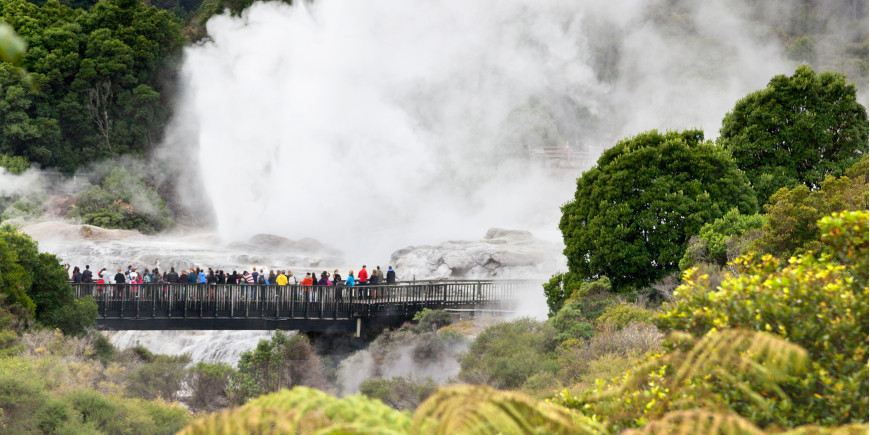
x=559, y=157
x=319, y=309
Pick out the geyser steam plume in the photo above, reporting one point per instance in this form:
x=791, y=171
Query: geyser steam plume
x=373, y=125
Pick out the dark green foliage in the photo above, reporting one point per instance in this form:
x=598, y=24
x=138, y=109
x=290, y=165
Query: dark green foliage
x=208, y=384
x=399, y=392
x=161, y=377
x=54, y=416
x=634, y=212
x=796, y=131
x=122, y=200
x=142, y=353
x=587, y=302
x=431, y=320
x=569, y=324
x=722, y=237
x=792, y=213
x=96, y=85
x=506, y=354
x=563, y=286
x=103, y=348
x=14, y=282
x=75, y=318
x=37, y=283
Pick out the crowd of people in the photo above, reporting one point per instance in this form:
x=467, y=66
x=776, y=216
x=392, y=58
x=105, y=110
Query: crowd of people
x=362, y=285
x=211, y=277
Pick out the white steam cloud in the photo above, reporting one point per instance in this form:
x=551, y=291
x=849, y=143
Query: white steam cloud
x=374, y=125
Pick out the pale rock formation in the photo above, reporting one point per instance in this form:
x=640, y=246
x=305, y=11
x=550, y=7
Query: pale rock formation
x=500, y=254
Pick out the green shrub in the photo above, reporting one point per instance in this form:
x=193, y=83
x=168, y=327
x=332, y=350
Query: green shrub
x=29, y=207
x=402, y=393
x=817, y=302
x=103, y=349
x=713, y=241
x=565, y=286
x=431, y=320
x=791, y=226
x=75, y=318
x=157, y=417
x=159, y=378
x=622, y=314
x=22, y=393
x=56, y=415
x=14, y=164
x=570, y=323
x=122, y=200
x=541, y=382
x=579, y=311
x=506, y=354
x=97, y=410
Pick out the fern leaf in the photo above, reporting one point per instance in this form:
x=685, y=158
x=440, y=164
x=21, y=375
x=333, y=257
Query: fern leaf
x=483, y=410
x=698, y=422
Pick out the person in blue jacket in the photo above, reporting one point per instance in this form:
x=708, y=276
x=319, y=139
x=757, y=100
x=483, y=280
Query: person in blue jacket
x=350, y=282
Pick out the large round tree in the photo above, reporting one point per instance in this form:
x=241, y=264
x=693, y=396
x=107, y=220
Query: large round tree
x=633, y=212
x=796, y=131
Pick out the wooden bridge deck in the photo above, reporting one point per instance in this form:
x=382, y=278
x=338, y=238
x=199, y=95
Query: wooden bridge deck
x=308, y=309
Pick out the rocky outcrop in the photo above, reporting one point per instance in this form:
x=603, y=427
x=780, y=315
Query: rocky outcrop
x=500, y=254
x=59, y=230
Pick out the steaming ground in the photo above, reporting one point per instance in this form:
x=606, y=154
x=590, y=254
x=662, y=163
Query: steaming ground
x=202, y=346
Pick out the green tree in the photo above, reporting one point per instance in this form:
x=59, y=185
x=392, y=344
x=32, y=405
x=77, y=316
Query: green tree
x=208, y=384
x=282, y=362
x=796, y=131
x=633, y=213
x=38, y=283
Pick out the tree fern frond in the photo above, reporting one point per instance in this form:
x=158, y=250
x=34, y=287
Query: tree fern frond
x=734, y=369
x=698, y=422
x=741, y=349
x=849, y=429
x=483, y=410
x=304, y=410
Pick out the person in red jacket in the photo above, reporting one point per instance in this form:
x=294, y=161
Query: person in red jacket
x=363, y=275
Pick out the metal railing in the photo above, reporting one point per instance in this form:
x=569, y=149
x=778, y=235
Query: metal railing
x=167, y=301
